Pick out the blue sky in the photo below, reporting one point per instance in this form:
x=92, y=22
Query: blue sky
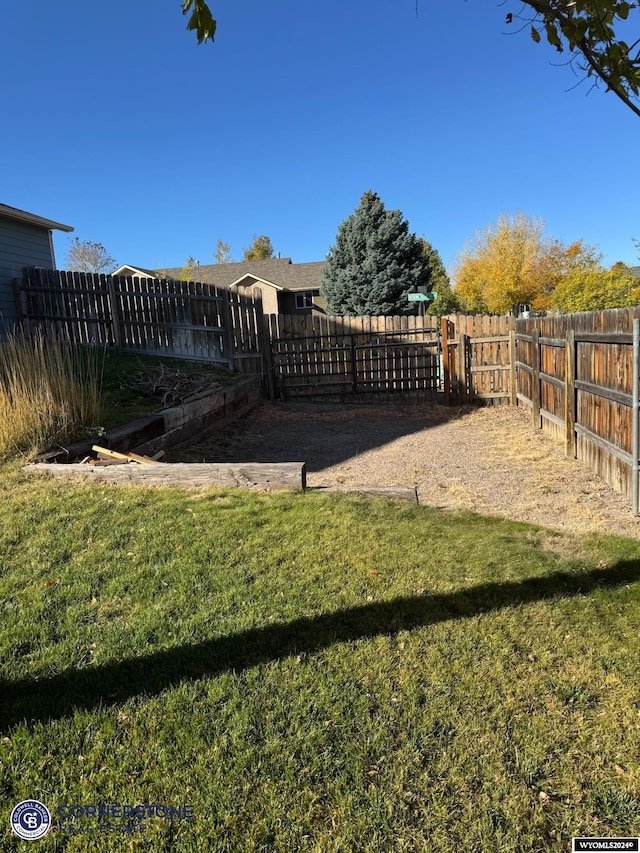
x=117, y=123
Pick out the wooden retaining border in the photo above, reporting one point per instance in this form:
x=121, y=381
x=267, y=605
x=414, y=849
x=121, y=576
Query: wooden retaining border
x=170, y=427
x=265, y=477
x=394, y=493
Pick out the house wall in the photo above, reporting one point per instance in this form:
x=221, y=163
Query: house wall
x=21, y=245
x=288, y=304
x=269, y=296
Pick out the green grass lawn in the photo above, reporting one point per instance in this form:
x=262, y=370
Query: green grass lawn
x=313, y=672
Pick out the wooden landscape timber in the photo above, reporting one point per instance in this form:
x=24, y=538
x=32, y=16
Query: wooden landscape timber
x=265, y=477
x=171, y=427
x=394, y=493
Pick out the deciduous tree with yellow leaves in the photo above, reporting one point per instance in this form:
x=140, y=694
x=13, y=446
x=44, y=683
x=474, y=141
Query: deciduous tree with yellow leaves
x=514, y=263
x=509, y=263
x=596, y=289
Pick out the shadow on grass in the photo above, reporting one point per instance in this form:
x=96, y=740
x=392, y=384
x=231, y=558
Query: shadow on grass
x=32, y=700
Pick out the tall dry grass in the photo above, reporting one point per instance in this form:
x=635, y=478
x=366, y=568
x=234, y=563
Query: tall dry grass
x=50, y=393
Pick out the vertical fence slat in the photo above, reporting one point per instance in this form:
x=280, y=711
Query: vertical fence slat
x=570, y=395
x=535, y=379
x=635, y=451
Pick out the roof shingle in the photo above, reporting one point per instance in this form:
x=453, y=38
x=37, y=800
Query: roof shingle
x=278, y=271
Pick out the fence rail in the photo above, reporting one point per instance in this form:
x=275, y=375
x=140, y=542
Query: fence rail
x=347, y=357
x=142, y=315
x=477, y=356
x=578, y=376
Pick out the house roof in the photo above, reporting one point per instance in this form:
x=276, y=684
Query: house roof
x=280, y=273
x=140, y=272
x=32, y=219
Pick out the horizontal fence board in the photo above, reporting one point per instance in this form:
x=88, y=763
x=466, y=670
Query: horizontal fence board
x=552, y=380
x=583, y=376
x=322, y=355
x=544, y=413
x=153, y=316
x=604, y=444
x=606, y=393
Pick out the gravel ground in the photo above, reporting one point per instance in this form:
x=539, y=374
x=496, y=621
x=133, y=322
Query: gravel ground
x=485, y=459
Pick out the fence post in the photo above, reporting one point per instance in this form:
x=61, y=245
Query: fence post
x=264, y=343
x=269, y=366
x=535, y=378
x=354, y=366
x=462, y=366
x=227, y=334
x=513, y=384
x=570, y=396
x=115, y=312
x=20, y=301
x=635, y=450
x=444, y=346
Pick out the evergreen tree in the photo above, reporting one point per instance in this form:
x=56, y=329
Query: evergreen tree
x=374, y=263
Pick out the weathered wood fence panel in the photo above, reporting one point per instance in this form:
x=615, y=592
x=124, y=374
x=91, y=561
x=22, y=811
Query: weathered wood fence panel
x=151, y=316
x=477, y=357
x=347, y=357
x=577, y=374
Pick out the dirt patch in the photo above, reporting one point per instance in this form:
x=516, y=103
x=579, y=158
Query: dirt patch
x=485, y=459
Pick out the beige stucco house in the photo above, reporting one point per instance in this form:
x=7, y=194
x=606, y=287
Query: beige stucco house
x=285, y=287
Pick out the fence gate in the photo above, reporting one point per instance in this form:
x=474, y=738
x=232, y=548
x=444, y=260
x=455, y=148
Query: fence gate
x=339, y=361
x=478, y=356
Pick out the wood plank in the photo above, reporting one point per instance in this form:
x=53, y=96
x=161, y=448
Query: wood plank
x=606, y=393
x=545, y=414
x=535, y=380
x=250, y=475
x=552, y=380
x=603, y=444
x=512, y=366
x=111, y=454
x=396, y=493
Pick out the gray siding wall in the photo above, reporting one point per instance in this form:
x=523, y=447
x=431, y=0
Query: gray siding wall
x=21, y=245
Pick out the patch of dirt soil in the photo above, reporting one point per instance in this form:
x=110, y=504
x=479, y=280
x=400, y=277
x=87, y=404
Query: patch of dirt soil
x=489, y=460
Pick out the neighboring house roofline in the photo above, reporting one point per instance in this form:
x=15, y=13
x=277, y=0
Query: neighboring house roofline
x=256, y=279
x=32, y=219
x=140, y=271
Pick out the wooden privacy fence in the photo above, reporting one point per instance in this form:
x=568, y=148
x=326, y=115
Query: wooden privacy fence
x=579, y=376
x=143, y=315
x=347, y=357
x=478, y=355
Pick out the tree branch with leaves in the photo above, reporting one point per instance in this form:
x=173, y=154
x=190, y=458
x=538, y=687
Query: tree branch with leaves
x=85, y=256
x=590, y=29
